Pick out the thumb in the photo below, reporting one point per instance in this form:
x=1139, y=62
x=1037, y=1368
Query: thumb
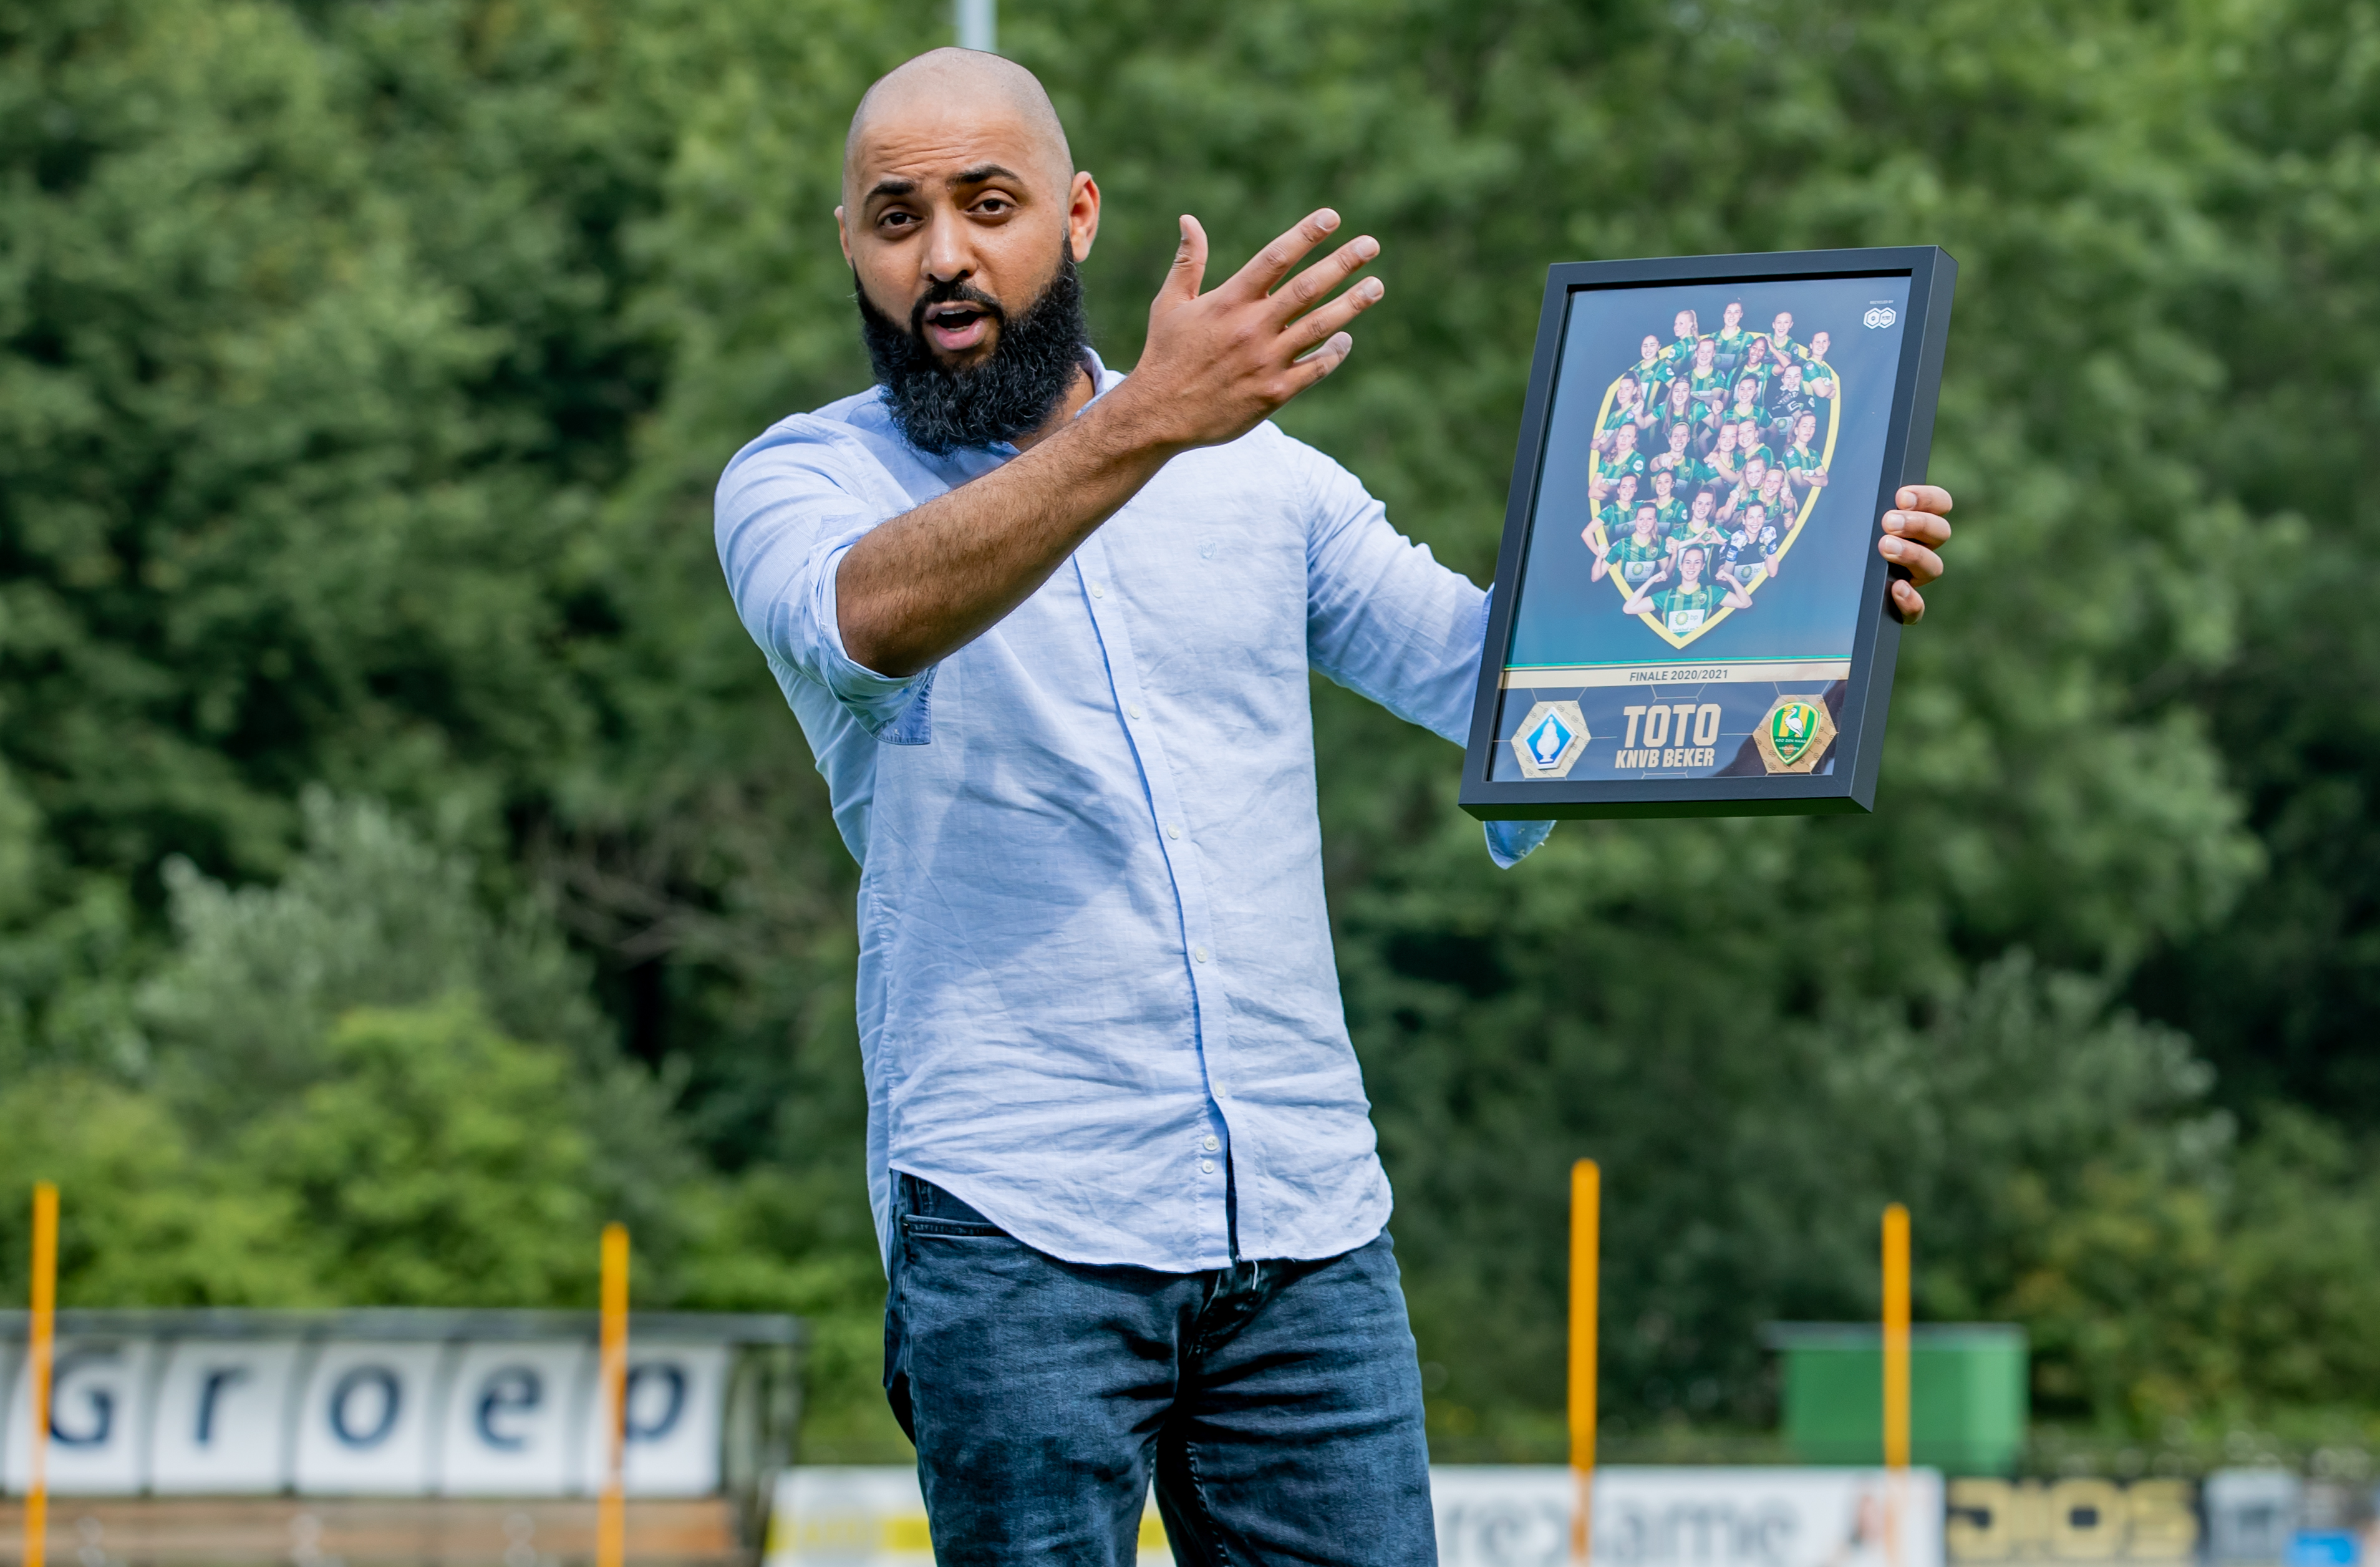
x=1189, y=263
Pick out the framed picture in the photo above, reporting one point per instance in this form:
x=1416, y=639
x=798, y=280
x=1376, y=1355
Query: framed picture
x=1690, y=616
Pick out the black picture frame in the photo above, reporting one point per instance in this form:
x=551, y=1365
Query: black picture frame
x=1843, y=776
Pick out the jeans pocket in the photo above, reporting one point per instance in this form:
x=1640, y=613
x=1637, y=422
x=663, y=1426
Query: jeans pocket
x=927, y=1228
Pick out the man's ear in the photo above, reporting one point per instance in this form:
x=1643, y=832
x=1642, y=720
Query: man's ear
x=1082, y=217
x=843, y=236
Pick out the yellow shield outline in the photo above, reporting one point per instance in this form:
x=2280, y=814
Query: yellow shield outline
x=1825, y=461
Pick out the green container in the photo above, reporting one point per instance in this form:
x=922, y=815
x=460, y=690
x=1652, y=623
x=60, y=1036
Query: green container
x=1969, y=1395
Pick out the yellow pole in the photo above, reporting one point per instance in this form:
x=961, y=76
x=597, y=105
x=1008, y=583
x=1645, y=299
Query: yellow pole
x=611, y=1510
x=1896, y=1337
x=43, y=1346
x=1585, y=1247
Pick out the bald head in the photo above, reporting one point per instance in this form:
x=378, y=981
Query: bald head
x=949, y=94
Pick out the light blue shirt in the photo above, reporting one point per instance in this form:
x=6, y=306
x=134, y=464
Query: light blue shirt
x=1094, y=959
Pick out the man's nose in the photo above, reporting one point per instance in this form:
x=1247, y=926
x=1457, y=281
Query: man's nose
x=949, y=257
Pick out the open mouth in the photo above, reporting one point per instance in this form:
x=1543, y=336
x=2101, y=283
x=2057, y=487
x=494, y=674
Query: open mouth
x=956, y=327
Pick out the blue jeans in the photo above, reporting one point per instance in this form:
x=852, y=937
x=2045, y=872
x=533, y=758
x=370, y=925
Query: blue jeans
x=1276, y=1406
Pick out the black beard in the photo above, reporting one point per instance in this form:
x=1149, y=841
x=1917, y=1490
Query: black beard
x=1032, y=367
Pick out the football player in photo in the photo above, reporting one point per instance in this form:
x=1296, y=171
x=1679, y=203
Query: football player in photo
x=1787, y=402
x=1669, y=506
x=1759, y=365
x=1627, y=403
x=1677, y=408
x=1745, y=414
x=1699, y=526
x=1817, y=376
x=1729, y=337
x=1650, y=370
x=1686, y=333
x=1805, y=467
x=1621, y=456
x=1615, y=516
x=1726, y=465
x=1707, y=383
x=1678, y=460
x=1780, y=338
x=1636, y=558
x=1755, y=476
x=1684, y=607
x=1749, y=556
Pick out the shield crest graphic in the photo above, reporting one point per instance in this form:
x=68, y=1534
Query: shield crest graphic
x=1794, y=734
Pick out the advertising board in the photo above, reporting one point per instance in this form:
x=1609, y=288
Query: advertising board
x=1487, y=1517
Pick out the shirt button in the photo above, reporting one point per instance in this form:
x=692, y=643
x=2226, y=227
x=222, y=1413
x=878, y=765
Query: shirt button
x=1213, y=1143
x=1134, y=709
x=1097, y=591
x=1173, y=831
x=1199, y=953
x=1206, y=1167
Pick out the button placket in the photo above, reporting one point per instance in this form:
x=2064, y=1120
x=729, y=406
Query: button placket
x=1211, y=1027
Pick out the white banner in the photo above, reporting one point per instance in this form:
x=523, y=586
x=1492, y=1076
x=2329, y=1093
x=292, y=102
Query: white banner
x=1487, y=1517
x=189, y=1416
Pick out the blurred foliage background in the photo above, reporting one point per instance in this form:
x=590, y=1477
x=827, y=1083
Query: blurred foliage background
x=406, y=862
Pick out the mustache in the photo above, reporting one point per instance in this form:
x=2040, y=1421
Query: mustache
x=957, y=291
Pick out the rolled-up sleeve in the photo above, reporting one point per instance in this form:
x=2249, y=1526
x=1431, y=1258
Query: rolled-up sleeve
x=785, y=518
x=1385, y=620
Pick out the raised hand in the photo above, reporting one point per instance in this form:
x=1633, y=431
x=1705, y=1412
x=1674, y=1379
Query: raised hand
x=1219, y=362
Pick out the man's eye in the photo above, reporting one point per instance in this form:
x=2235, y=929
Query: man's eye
x=993, y=205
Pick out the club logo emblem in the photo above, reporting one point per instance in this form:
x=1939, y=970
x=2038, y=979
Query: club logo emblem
x=1794, y=734
x=1881, y=316
x=1550, y=740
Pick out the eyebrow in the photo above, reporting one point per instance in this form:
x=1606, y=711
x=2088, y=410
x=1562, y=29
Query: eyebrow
x=981, y=174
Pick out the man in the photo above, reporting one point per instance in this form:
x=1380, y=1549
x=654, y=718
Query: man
x=1048, y=630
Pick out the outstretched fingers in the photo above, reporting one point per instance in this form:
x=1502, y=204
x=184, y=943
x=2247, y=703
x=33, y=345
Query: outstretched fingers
x=1322, y=324
x=1303, y=292
x=1270, y=265
x=1321, y=362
